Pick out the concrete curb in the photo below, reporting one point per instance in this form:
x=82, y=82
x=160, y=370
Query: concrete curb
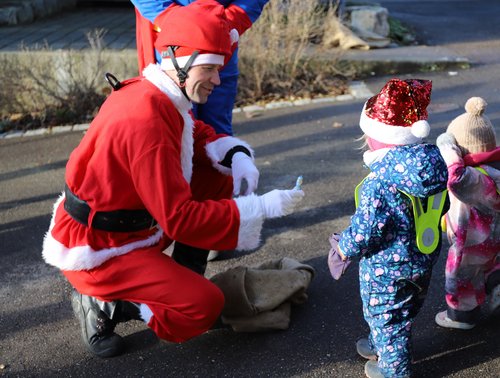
x=45, y=131
x=398, y=60
x=357, y=90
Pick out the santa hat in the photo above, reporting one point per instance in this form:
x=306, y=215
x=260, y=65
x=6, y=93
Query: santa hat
x=398, y=114
x=200, y=28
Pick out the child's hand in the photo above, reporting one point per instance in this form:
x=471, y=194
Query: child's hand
x=342, y=256
x=336, y=239
x=448, y=148
x=337, y=261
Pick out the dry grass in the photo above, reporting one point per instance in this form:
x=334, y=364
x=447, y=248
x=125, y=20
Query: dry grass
x=43, y=88
x=275, y=54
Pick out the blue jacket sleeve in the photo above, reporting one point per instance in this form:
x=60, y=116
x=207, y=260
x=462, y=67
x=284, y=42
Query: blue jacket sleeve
x=149, y=9
x=152, y=8
x=253, y=8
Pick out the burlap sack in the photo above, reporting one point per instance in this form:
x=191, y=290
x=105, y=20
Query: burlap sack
x=259, y=298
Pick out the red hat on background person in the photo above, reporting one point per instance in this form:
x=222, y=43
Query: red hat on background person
x=398, y=114
x=200, y=28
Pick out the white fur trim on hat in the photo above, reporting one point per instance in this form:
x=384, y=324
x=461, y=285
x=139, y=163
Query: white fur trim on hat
x=166, y=63
x=234, y=35
x=393, y=134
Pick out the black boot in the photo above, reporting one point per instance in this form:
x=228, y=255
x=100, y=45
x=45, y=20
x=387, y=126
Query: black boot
x=125, y=311
x=97, y=327
x=191, y=257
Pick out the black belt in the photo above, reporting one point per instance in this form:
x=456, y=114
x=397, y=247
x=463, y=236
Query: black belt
x=111, y=221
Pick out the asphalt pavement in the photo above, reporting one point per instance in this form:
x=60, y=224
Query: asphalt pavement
x=39, y=336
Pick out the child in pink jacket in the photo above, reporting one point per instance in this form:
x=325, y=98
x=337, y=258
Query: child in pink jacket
x=473, y=222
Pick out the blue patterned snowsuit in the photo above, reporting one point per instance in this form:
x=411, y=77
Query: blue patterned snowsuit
x=394, y=275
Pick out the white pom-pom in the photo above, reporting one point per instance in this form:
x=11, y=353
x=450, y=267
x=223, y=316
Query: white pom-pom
x=420, y=129
x=475, y=106
x=234, y=35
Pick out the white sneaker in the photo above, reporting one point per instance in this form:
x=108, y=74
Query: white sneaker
x=364, y=350
x=443, y=320
x=494, y=302
x=372, y=370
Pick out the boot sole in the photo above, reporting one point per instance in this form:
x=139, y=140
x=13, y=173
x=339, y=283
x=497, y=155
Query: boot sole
x=445, y=322
x=362, y=352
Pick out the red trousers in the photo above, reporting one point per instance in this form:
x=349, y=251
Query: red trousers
x=184, y=304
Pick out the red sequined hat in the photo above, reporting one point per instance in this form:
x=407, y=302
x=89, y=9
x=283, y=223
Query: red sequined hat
x=398, y=114
x=200, y=26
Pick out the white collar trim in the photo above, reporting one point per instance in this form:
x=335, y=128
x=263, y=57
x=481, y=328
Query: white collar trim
x=164, y=83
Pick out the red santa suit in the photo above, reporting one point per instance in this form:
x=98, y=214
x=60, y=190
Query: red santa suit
x=145, y=151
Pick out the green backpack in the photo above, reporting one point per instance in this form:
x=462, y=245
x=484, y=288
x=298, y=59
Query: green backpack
x=426, y=222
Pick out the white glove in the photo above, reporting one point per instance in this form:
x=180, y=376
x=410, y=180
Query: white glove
x=448, y=148
x=278, y=203
x=244, y=169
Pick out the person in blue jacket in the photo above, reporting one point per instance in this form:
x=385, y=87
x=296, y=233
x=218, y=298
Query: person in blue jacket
x=217, y=112
x=394, y=270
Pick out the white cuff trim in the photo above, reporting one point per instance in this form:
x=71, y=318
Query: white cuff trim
x=218, y=149
x=251, y=221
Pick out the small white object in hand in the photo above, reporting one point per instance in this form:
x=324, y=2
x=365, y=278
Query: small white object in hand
x=298, y=183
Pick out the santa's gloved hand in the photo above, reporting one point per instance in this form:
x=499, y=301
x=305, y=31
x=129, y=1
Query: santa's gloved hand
x=243, y=168
x=278, y=203
x=448, y=148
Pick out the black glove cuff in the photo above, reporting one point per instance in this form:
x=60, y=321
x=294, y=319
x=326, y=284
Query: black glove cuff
x=228, y=159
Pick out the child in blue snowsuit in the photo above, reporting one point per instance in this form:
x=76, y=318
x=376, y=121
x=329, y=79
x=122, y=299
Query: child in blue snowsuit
x=394, y=274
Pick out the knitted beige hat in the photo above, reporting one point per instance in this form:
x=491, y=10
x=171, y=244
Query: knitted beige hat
x=473, y=130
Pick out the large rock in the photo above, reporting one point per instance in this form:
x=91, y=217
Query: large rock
x=373, y=19
x=360, y=27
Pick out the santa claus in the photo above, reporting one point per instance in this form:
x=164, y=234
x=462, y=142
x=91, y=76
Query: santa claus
x=147, y=174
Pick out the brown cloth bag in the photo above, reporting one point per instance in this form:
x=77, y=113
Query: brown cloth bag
x=260, y=298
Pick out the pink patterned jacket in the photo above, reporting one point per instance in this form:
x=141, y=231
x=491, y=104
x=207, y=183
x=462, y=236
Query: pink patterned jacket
x=473, y=228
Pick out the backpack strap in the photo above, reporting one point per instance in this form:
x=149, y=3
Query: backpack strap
x=357, y=191
x=483, y=171
x=427, y=223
